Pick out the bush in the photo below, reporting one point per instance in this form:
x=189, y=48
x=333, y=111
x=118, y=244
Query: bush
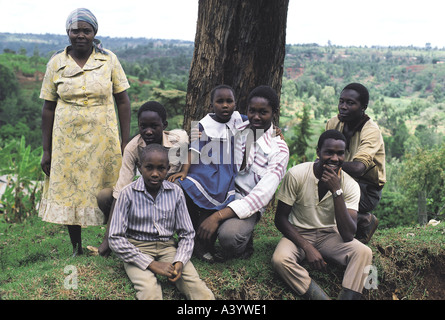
x=395, y=210
x=21, y=167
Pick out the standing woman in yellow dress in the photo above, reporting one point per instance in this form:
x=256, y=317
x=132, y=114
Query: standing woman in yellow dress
x=82, y=151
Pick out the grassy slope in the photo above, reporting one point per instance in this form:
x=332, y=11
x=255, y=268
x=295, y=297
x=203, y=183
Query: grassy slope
x=35, y=263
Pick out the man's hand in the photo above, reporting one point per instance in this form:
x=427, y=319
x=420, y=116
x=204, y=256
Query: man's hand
x=314, y=258
x=330, y=178
x=177, y=272
x=208, y=227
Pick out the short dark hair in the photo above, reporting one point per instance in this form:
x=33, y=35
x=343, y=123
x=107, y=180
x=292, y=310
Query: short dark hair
x=330, y=134
x=152, y=147
x=155, y=107
x=362, y=91
x=221, y=86
x=267, y=93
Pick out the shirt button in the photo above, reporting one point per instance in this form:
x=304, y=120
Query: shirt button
x=85, y=102
x=83, y=88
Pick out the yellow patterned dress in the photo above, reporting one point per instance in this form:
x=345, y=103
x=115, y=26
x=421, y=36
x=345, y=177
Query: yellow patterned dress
x=86, y=153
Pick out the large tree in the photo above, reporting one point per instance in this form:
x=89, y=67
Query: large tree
x=240, y=43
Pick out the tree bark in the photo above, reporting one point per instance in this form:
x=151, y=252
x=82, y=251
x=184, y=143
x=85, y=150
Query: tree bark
x=237, y=43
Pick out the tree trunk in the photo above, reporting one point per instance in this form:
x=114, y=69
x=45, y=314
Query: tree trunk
x=421, y=208
x=238, y=43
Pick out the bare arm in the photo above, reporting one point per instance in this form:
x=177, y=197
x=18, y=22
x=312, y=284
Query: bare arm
x=48, y=111
x=124, y=113
x=354, y=168
x=209, y=226
x=346, y=219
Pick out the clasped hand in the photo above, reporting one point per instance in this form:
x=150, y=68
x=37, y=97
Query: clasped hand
x=172, y=271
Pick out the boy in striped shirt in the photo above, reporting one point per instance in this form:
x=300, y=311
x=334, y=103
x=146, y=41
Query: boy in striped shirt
x=147, y=214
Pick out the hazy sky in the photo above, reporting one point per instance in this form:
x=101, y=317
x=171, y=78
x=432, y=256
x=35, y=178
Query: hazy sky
x=343, y=22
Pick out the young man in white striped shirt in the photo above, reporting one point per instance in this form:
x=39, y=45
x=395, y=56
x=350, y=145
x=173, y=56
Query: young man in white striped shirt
x=262, y=157
x=147, y=214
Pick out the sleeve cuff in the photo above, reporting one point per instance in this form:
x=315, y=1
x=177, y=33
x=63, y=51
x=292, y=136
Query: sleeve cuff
x=240, y=208
x=143, y=261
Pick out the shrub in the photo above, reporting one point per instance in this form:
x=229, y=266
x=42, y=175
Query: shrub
x=395, y=210
x=21, y=167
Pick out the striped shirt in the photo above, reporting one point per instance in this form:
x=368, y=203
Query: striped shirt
x=265, y=167
x=140, y=217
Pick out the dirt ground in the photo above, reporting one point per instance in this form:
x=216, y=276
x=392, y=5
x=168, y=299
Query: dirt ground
x=434, y=281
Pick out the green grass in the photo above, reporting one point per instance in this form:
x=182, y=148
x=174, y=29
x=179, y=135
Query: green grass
x=36, y=264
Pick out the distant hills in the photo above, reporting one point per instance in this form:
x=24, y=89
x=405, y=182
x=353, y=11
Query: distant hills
x=46, y=44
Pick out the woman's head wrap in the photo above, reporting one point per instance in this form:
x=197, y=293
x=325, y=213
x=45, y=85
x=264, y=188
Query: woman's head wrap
x=85, y=15
x=81, y=14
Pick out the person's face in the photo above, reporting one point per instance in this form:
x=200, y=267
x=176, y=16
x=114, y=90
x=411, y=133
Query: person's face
x=223, y=104
x=349, y=106
x=154, y=169
x=332, y=154
x=81, y=35
x=260, y=113
x=151, y=127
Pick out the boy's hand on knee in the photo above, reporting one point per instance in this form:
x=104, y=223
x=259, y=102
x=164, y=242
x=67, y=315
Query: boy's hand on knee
x=177, y=272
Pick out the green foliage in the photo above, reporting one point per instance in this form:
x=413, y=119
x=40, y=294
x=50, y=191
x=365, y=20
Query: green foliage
x=8, y=83
x=20, y=108
x=24, y=65
x=395, y=144
x=425, y=170
x=173, y=100
x=298, y=143
x=395, y=210
x=21, y=167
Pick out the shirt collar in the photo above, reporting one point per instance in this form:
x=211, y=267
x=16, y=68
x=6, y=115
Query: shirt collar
x=165, y=140
x=71, y=68
x=264, y=142
x=140, y=185
x=218, y=130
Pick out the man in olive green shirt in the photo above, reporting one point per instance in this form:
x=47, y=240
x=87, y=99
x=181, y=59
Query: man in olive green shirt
x=365, y=153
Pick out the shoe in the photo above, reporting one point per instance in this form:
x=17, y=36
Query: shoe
x=347, y=294
x=202, y=254
x=315, y=292
x=365, y=232
x=249, y=249
x=77, y=251
x=220, y=257
x=94, y=251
